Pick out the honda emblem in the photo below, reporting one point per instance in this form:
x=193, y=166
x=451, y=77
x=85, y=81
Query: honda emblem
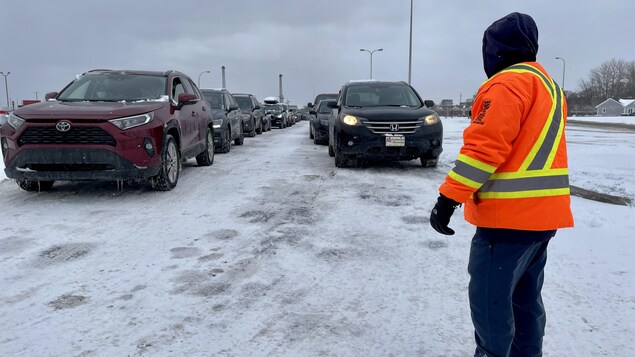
x=394, y=127
x=63, y=126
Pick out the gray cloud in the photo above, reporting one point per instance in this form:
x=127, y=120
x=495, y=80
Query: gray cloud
x=314, y=44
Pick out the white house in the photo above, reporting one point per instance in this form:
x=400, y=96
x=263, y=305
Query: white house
x=629, y=106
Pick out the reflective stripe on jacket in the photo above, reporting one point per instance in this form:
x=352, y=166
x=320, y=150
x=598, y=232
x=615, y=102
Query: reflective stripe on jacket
x=512, y=169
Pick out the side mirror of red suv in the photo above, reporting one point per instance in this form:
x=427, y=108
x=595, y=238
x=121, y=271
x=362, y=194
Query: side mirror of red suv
x=186, y=98
x=50, y=95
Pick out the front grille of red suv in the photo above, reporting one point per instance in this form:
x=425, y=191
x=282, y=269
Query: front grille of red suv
x=78, y=135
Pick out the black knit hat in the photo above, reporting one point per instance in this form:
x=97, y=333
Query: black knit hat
x=510, y=40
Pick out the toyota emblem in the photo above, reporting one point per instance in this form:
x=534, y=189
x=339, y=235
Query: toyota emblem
x=63, y=126
x=394, y=127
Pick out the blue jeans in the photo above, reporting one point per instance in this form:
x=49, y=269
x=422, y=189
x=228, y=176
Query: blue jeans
x=506, y=279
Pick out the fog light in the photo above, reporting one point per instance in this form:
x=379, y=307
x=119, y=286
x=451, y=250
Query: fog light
x=148, y=146
x=436, y=142
x=351, y=143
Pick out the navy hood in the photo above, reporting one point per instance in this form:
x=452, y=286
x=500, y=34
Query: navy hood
x=509, y=40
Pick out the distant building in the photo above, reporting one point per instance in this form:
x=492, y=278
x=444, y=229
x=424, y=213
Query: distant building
x=629, y=106
x=613, y=108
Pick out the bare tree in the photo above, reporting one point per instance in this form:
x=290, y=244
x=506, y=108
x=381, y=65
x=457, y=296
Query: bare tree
x=612, y=79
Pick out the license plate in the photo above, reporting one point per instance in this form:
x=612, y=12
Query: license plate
x=395, y=140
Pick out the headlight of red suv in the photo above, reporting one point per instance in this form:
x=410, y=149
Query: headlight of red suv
x=133, y=121
x=15, y=121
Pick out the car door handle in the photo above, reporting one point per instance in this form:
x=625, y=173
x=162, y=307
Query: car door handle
x=204, y=109
x=194, y=114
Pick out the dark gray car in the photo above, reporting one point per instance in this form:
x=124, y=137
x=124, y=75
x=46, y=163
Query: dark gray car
x=319, y=125
x=252, y=116
x=227, y=118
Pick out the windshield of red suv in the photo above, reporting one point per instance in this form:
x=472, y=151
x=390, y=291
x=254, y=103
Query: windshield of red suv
x=114, y=87
x=382, y=94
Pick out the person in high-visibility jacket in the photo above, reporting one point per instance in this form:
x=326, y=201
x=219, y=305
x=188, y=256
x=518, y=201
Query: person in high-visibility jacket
x=512, y=176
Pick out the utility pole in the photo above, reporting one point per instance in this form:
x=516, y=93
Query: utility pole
x=564, y=66
x=280, y=88
x=223, y=77
x=410, y=51
x=6, y=86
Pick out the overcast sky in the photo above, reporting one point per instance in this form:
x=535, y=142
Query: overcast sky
x=314, y=44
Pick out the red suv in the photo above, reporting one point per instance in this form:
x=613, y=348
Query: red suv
x=110, y=125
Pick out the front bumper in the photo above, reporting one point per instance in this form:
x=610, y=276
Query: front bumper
x=360, y=143
x=276, y=121
x=36, y=153
x=75, y=164
x=248, y=125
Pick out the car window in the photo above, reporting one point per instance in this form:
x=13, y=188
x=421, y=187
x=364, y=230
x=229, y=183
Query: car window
x=229, y=100
x=381, y=95
x=215, y=99
x=244, y=103
x=324, y=108
x=114, y=87
x=177, y=88
x=190, y=87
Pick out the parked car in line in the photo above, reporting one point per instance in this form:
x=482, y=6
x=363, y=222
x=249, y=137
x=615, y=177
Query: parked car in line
x=293, y=114
x=110, y=125
x=277, y=112
x=248, y=104
x=304, y=115
x=266, y=119
x=227, y=118
x=319, y=126
x=285, y=110
x=278, y=116
x=375, y=120
x=320, y=97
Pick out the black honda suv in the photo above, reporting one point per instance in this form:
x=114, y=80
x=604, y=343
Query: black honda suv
x=383, y=121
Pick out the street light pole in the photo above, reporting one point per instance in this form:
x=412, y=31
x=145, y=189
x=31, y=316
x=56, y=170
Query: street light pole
x=6, y=86
x=199, y=77
x=564, y=66
x=410, y=50
x=371, y=58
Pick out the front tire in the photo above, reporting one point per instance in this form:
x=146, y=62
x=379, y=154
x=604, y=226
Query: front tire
x=206, y=158
x=241, y=138
x=227, y=141
x=252, y=133
x=428, y=162
x=168, y=177
x=35, y=186
x=259, y=129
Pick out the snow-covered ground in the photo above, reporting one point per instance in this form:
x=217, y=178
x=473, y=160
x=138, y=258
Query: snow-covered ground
x=272, y=251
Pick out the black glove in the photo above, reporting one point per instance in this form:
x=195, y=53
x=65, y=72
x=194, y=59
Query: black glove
x=441, y=213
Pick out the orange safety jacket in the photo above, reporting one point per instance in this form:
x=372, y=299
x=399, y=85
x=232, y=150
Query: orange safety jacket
x=512, y=169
